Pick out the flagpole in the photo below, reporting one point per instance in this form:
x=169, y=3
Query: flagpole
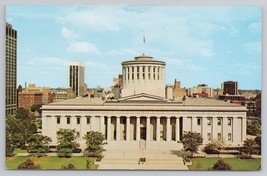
x=144, y=41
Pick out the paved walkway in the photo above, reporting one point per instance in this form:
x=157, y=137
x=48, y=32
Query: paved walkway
x=129, y=160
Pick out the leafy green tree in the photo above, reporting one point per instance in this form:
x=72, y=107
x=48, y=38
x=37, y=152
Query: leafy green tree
x=94, y=144
x=258, y=141
x=9, y=142
x=66, y=143
x=32, y=128
x=219, y=144
x=28, y=164
x=22, y=114
x=250, y=147
x=36, y=107
x=191, y=141
x=38, y=144
x=221, y=165
x=68, y=167
x=253, y=127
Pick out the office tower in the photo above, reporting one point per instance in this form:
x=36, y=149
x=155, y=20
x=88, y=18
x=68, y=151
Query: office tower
x=76, y=78
x=11, y=70
x=230, y=88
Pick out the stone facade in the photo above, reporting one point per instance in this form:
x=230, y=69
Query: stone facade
x=152, y=120
x=143, y=75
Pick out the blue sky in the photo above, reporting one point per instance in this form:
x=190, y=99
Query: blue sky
x=200, y=44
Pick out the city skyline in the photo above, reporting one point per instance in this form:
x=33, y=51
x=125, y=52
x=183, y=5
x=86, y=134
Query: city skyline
x=194, y=41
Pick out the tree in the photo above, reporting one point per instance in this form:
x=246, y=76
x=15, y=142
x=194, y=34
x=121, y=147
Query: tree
x=191, y=141
x=22, y=113
x=9, y=142
x=38, y=144
x=253, y=127
x=221, y=165
x=68, y=167
x=219, y=145
x=215, y=146
x=258, y=141
x=28, y=164
x=66, y=143
x=36, y=107
x=94, y=143
x=250, y=147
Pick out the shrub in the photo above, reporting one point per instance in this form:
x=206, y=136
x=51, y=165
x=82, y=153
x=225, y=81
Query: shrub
x=68, y=167
x=221, y=165
x=28, y=164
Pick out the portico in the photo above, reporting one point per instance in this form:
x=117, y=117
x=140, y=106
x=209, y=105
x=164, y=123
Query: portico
x=148, y=128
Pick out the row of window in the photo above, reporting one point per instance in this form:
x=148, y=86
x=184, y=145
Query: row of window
x=153, y=72
x=219, y=136
x=219, y=121
x=78, y=120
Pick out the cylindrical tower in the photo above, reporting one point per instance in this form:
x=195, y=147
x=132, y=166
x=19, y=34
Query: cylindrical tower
x=143, y=75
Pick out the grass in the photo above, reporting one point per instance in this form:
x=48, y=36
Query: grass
x=236, y=164
x=51, y=162
x=18, y=150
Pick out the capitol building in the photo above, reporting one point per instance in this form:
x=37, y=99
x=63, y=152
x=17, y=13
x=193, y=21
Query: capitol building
x=145, y=113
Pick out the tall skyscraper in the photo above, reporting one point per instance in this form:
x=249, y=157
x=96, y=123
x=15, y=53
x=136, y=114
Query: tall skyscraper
x=11, y=70
x=230, y=87
x=76, y=78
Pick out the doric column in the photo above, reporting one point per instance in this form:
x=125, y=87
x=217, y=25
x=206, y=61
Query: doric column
x=118, y=131
x=158, y=129
x=163, y=73
x=156, y=74
x=168, y=129
x=126, y=74
x=135, y=74
x=102, y=124
x=177, y=129
x=141, y=73
x=130, y=75
x=146, y=73
x=244, y=127
x=109, y=128
x=213, y=128
x=137, y=128
x=128, y=128
x=204, y=129
x=148, y=128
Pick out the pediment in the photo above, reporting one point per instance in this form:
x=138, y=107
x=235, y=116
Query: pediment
x=142, y=97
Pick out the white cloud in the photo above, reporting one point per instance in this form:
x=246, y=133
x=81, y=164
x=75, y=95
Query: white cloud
x=83, y=47
x=66, y=33
x=47, y=61
x=183, y=64
x=252, y=47
x=96, y=18
x=255, y=27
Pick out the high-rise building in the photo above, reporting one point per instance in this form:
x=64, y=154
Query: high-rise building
x=230, y=88
x=76, y=78
x=11, y=70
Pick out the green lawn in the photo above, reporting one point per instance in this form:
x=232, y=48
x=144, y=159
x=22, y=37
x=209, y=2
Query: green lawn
x=18, y=150
x=50, y=162
x=236, y=164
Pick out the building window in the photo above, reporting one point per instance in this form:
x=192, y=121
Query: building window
x=58, y=120
x=229, y=136
x=68, y=120
x=219, y=136
x=198, y=121
x=78, y=134
x=78, y=120
x=229, y=121
x=209, y=136
x=88, y=120
x=209, y=121
x=219, y=121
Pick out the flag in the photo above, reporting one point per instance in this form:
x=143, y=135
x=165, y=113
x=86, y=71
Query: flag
x=144, y=39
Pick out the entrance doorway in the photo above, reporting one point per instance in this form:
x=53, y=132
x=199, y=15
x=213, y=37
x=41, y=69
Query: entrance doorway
x=143, y=133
